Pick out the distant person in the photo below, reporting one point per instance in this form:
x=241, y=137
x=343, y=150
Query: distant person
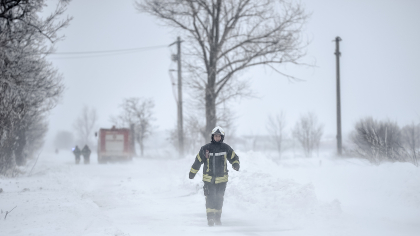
x=56, y=151
x=77, y=152
x=86, y=154
x=215, y=173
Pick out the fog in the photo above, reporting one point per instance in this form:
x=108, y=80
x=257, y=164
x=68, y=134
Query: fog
x=280, y=189
x=379, y=72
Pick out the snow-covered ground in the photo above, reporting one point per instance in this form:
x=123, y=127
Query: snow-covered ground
x=317, y=196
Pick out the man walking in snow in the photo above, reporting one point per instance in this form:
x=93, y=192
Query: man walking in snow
x=214, y=156
x=77, y=152
x=86, y=154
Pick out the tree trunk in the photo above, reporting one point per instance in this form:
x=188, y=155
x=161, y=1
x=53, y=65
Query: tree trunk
x=210, y=109
x=20, y=145
x=211, y=118
x=140, y=142
x=133, y=139
x=6, y=161
x=141, y=148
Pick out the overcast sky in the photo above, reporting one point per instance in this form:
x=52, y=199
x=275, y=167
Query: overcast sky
x=380, y=69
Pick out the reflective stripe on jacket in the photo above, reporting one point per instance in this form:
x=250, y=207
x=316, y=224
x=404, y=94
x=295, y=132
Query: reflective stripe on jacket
x=214, y=156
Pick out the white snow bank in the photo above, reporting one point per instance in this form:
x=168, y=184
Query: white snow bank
x=317, y=196
x=324, y=192
x=259, y=192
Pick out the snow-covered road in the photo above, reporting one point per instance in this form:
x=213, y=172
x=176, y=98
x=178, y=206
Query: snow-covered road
x=155, y=197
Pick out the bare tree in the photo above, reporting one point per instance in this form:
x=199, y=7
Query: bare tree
x=308, y=133
x=139, y=113
x=85, y=124
x=410, y=135
x=224, y=38
x=29, y=85
x=275, y=127
x=378, y=141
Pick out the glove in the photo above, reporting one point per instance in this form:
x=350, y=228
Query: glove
x=192, y=175
x=235, y=166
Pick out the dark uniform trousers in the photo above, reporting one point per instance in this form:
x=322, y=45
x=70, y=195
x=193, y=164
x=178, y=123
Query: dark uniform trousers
x=77, y=154
x=214, y=199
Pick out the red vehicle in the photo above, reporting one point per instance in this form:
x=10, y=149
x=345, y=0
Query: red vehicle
x=114, y=145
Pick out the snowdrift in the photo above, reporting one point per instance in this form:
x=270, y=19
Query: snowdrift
x=261, y=192
x=302, y=196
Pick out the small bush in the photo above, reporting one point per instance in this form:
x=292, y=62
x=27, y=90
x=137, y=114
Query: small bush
x=379, y=141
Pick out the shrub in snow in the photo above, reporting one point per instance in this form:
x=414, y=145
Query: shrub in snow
x=380, y=141
x=275, y=127
x=410, y=135
x=308, y=133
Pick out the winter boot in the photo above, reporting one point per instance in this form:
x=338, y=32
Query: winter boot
x=217, y=218
x=210, y=219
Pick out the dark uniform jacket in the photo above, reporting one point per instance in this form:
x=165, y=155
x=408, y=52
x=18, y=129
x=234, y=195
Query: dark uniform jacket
x=86, y=151
x=214, y=156
x=77, y=151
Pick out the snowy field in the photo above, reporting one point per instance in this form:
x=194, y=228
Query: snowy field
x=317, y=196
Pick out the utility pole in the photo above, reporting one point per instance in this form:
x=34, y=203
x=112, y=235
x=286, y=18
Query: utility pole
x=177, y=58
x=337, y=55
x=180, y=118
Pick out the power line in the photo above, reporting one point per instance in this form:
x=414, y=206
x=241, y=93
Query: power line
x=103, y=53
x=109, y=51
x=90, y=56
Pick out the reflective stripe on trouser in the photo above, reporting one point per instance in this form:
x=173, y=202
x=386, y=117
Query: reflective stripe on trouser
x=208, y=210
x=214, y=198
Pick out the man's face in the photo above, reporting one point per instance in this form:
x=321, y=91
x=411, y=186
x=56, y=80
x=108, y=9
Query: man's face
x=217, y=137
